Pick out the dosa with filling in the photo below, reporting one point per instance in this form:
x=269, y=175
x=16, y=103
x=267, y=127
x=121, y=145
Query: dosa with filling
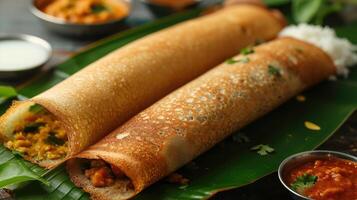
x=192, y=119
x=79, y=111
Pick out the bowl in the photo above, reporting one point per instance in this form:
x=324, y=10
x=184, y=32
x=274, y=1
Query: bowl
x=297, y=159
x=161, y=10
x=33, y=41
x=77, y=30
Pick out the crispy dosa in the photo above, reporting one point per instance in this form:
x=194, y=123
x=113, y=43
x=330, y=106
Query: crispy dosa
x=192, y=119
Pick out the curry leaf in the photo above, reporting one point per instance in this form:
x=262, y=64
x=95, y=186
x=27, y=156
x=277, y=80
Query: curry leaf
x=15, y=171
x=305, y=10
x=33, y=127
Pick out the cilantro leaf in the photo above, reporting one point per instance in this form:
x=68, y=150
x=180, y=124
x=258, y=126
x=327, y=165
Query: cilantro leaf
x=231, y=61
x=262, y=149
x=247, y=50
x=274, y=70
x=303, y=182
x=36, y=108
x=244, y=60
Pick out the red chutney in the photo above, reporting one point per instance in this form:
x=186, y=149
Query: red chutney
x=336, y=179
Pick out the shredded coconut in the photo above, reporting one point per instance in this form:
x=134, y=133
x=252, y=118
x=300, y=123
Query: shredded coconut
x=339, y=49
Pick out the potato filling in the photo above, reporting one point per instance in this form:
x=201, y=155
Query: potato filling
x=102, y=174
x=39, y=136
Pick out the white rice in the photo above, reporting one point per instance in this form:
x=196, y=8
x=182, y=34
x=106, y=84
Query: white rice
x=339, y=49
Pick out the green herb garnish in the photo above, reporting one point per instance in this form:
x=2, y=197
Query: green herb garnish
x=242, y=60
x=262, y=149
x=98, y=8
x=52, y=139
x=33, y=127
x=274, y=70
x=36, y=108
x=231, y=61
x=247, y=50
x=303, y=182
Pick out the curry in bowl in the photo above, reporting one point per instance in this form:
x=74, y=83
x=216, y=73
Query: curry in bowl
x=86, y=11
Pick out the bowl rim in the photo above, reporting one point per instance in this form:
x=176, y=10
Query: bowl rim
x=55, y=20
x=282, y=165
x=32, y=39
x=156, y=4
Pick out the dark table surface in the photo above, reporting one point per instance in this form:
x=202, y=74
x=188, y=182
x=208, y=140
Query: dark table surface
x=15, y=17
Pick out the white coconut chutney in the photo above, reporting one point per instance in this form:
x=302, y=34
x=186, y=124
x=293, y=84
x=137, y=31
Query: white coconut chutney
x=21, y=55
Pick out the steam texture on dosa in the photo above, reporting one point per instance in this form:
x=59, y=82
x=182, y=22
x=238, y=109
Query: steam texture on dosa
x=192, y=119
x=99, y=98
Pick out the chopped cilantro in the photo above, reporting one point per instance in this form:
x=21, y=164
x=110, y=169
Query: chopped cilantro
x=231, y=61
x=240, y=138
x=242, y=60
x=303, y=182
x=274, y=70
x=52, y=139
x=263, y=149
x=247, y=50
x=33, y=127
x=98, y=8
x=36, y=108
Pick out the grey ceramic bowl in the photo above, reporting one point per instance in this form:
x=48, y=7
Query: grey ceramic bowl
x=297, y=159
x=71, y=29
x=13, y=74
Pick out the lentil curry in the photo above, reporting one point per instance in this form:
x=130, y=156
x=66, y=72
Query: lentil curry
x=39, y=136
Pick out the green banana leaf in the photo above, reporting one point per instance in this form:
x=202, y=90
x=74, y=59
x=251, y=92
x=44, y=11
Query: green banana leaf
x=231, y=163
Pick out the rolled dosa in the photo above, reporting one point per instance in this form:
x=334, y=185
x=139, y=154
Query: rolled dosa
x=100, y=97
x=192, y=119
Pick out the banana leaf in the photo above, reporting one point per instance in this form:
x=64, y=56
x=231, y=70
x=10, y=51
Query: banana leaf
x=231, y=163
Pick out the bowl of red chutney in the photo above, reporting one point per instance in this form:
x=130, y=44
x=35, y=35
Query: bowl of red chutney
x=320, y=175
